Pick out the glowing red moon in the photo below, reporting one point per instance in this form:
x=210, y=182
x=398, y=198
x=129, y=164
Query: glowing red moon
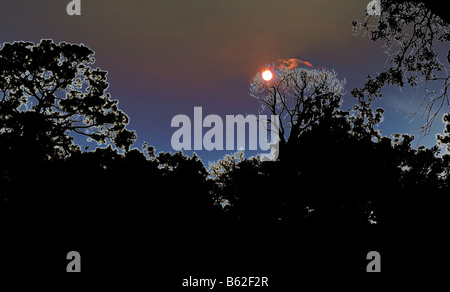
x=267, y=75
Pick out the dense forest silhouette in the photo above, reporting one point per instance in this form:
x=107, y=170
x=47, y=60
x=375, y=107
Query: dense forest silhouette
x=338, y=190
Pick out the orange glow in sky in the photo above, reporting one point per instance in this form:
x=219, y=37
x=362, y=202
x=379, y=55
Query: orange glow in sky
x=267, y=75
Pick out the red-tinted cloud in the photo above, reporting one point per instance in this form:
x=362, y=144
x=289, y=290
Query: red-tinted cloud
x=293, y=63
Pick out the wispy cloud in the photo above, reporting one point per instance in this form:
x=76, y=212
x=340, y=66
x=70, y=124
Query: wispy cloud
x=293, y=63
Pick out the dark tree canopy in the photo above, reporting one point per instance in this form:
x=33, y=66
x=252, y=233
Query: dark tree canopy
x=339, y=170
x=301, y=97
x=438, y=7
x=339, y=177
x=49, y=90
x=415, y=35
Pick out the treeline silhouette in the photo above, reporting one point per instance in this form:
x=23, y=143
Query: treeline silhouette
x=338, y=191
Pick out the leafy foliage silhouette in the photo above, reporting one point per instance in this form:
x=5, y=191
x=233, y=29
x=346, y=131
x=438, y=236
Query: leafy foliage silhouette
x=335, y=178
x=413, y=33
x=300, y=97
x=50, y=89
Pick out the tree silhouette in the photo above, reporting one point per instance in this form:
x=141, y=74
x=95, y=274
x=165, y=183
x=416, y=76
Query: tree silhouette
x=49, y=91
x=338, y=181
x=338, y=170
x=300, y=97
x=437, y=7
x=445, y=139
x=412, y=34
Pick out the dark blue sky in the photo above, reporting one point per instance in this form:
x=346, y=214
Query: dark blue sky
x=165, y=57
